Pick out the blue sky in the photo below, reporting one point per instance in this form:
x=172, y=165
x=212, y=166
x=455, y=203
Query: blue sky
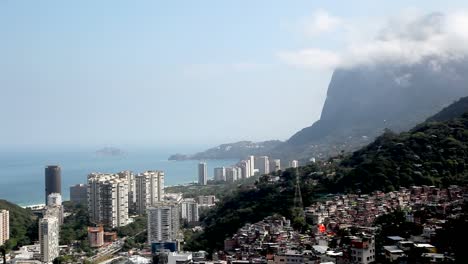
x=100, y=73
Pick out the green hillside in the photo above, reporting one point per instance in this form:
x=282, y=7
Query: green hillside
x=433, y=153
x=23, y=225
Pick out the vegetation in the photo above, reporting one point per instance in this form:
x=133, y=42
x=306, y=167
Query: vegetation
x=23, y=225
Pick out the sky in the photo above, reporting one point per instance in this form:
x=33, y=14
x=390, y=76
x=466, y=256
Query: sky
x=152, y=73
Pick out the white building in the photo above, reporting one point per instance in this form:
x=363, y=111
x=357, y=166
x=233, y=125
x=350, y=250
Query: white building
x=262, y=164
x=202, y=173
x=231, y=174
x=108, y=199
x=220, y=174
x=179, y=257
x=275, y=165
x=4, y=226
x=294, y=164
x=149, y=190
x=189, y=210
x=245, y=169
x=363, y=250
x=54, y=207
x=130, y=176
x=163, y=222
x=49, y=238
x=251, y=160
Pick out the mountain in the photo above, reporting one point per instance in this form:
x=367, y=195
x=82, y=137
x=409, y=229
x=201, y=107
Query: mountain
x=23, y=224
x=237, y=150
x=363, y=101
x=454, y=110
x=432, y=153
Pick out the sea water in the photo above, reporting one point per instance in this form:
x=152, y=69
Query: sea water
x=22, y=172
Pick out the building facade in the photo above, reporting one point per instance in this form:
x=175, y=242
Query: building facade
x=108, y=199
x=53, y=180
x=262, y=164
x=79, y=194
x=96, y=236
x=189, y=210
x=163, y=222
x=54, y=207
x=4, y=226
x=202, y=173
x=220, y=174
x=149, y=190
x=49, y=238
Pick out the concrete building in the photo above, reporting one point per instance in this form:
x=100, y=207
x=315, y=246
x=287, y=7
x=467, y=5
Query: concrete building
x=96, y=236
x=189, y=210
x=54, y=207
x=220, y=174
x=49, y=238
x=244, y=165
x=206, y=200
x=163, y=222
x=202, y=173
x=262, y=164
x=53, y=180
x=294, y=164
x=131, y=187
x=149, y=190
x=108, y=199
x=275, y=165
x=79, y=194
x=4, y=226
x=179, y=257
x=231, y=174
x=251, y=160
x=363, y=250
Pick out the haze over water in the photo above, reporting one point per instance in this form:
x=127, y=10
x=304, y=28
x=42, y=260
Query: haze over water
x=22, y=173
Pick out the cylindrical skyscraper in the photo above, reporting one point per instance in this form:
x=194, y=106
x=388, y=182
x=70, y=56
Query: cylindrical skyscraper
x=53, y=180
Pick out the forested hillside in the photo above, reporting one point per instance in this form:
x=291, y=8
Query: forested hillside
x=23, y=225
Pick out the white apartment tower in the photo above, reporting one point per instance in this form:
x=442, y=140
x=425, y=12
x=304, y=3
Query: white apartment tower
x=262, y=164
x=220, y=174
x=275, y=165
x=108, y=199
x=4, y=226
x=49, y=238
x=252, y=165
x=131, y=187
x=149, y=190
x=231, y=174
x=163, y=222
x=54, y=207
x=189, y=210
x=245, y=169
x=202, y=173
x=294, y=164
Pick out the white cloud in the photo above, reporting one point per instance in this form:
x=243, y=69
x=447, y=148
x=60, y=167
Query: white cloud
x=311, y=58
x=407, y=40
x=320, y=22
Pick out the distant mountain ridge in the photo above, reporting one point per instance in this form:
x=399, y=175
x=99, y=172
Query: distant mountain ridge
x=363, y=101
x=235, y=150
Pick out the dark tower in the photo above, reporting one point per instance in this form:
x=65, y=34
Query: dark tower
x=53, y=180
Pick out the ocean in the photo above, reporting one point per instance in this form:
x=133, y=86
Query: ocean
x=22, y=172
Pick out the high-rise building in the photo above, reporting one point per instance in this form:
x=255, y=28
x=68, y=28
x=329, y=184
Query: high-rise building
x=220, y=174
x=189, y=209
x=149, y=190
x=231, y=174
x=53, y=180
x=131, y=187
x=275, y=165
x=252, y=165
x=54, y=207
x=262, y=164
x=108, y=199
x=294, y=164
x=4, y=226
x=163, y=222
x=96, y=236
x=245, y=169
x=79, y=194
x=202, y=173
x=49, y=238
